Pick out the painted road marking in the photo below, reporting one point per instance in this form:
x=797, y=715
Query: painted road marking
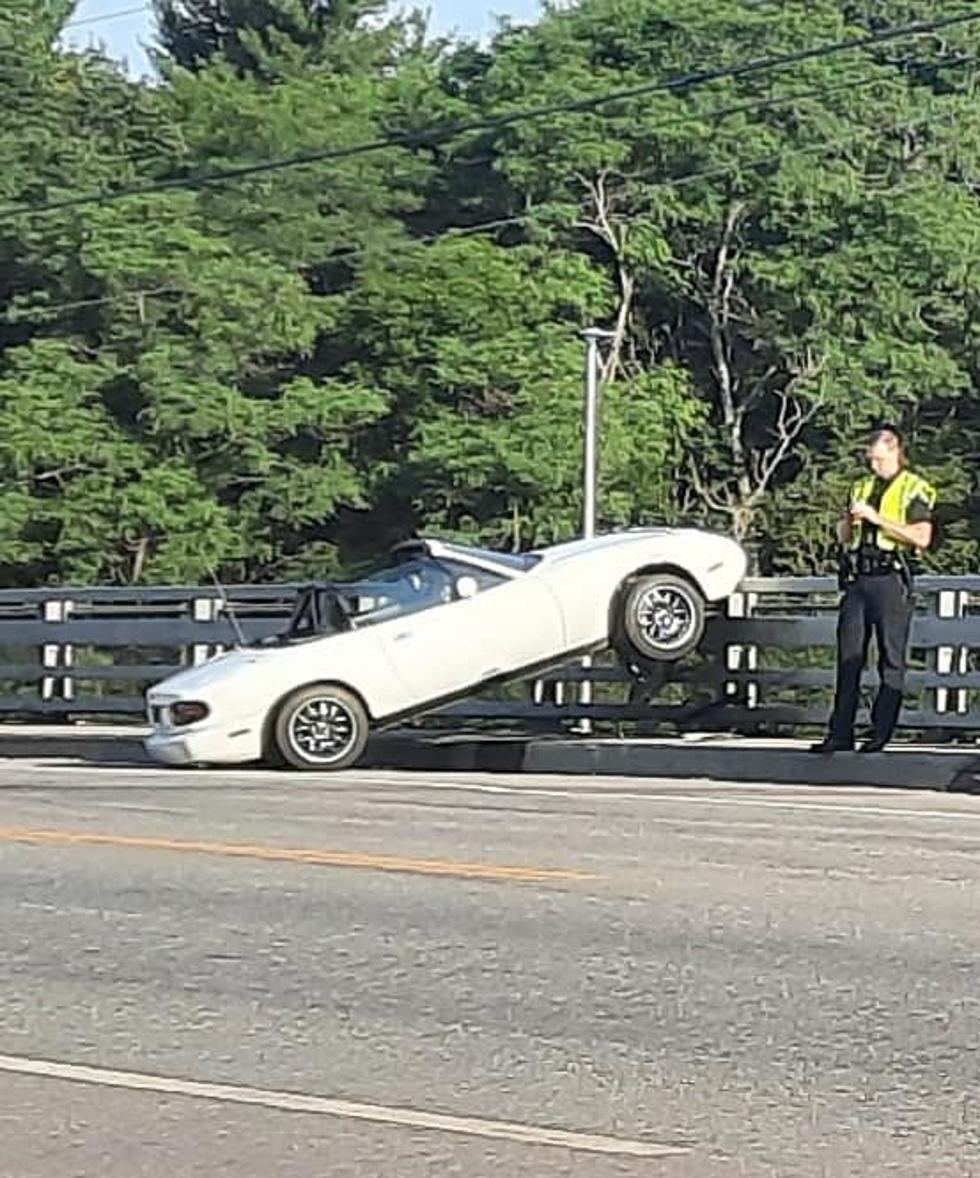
x=326, y=1106
x=855, y=805
x=394, y=863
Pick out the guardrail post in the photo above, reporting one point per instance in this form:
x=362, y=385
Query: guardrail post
x=734, y=608
x=739, y=657
x=57, y=655
x=539, y=692
x=963, y=657
x=751, y=655
x=584, y=725
x=204, y=609
x=952, y=660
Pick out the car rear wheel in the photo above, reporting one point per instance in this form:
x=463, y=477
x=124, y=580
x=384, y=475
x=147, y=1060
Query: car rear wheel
x=661, y=617
x=321, y=727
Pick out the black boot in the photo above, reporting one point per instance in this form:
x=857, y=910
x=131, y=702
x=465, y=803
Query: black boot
x=832, y=744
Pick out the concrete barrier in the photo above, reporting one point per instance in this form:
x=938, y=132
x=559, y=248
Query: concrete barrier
x=723, y=759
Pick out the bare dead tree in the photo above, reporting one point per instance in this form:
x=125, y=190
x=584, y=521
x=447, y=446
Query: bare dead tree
x=139, y=549
x=600, y=220
x=752, y=469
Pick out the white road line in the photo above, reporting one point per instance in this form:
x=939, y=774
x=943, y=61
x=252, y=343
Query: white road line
x=853, y=806
x=325, y=1106
x=80, y=910
x=856, y=809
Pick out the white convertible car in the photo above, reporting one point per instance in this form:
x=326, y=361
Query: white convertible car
x=443, y=621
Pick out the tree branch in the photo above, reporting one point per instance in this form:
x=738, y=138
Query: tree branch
x=707, y=495
x=719, y=313
x=793, y=416
x=613, y=236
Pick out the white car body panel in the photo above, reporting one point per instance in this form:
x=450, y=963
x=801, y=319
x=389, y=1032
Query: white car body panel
x=560, y=606
x=586, y=585
x=443, y=651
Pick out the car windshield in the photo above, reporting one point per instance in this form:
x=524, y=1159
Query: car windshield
x=405, y=588
x=520, y=562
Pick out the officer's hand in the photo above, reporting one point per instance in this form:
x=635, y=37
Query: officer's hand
x=864, y=511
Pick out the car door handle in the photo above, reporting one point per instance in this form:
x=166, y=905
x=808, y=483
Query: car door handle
x=404, y=634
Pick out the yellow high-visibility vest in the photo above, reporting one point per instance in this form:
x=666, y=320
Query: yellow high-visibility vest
x=898, y=497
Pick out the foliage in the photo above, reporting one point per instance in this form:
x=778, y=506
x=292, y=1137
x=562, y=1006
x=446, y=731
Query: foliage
x=280, y=375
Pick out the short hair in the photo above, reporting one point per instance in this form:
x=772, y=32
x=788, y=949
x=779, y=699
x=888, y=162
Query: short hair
x=888, y=433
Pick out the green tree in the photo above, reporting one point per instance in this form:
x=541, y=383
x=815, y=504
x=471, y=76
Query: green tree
x=270, y=37
x=192, y=324
x=280, y=374
x=68, y=463
x=783, y=238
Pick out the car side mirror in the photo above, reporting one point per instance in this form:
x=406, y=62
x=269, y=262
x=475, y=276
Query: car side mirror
x=466, y=587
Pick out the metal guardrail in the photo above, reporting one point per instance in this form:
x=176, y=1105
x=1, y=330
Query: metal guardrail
x=767, y=662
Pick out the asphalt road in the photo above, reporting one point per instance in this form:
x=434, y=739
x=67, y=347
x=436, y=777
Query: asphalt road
x=390, y=975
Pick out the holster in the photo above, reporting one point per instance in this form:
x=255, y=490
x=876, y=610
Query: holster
x=847, y=569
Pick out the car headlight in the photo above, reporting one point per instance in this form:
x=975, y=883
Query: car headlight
x=188, y=712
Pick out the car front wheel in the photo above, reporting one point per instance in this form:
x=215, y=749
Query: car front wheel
x=321, y=727
x=661, y=617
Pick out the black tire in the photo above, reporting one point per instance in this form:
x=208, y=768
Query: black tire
x=322, y=727
x=661, y=618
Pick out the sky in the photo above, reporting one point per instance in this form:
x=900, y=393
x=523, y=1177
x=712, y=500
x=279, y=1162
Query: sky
x=121, y=25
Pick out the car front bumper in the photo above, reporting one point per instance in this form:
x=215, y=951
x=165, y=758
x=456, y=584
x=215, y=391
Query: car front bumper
x=203, y=746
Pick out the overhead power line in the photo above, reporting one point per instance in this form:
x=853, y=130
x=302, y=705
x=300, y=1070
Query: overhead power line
x=107, y=16
x=442, y=134
x=820, y=147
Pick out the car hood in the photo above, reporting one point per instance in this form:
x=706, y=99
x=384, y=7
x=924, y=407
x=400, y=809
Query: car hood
x=197, y=682
x=691, y=541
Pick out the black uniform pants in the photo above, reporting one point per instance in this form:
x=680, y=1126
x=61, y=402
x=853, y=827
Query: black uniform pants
x=879, y=605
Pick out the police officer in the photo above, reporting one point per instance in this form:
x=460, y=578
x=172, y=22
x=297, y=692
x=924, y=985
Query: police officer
x=889, y=519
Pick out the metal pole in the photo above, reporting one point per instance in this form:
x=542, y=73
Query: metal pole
x=590, y=474
x=590, y=471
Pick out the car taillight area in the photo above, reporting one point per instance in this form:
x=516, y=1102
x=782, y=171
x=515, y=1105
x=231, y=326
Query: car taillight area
x=187, y=712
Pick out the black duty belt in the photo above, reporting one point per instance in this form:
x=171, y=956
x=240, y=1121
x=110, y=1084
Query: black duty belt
x=879, y=564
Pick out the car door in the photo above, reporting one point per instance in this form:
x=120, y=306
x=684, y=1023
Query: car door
x=517, y=625
x=452, y=648
x=428, y=652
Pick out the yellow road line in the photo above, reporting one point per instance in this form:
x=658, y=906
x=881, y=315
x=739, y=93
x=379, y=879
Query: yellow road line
x=398, y=863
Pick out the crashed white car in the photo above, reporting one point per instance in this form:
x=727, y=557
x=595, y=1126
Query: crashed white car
x=443, y=621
